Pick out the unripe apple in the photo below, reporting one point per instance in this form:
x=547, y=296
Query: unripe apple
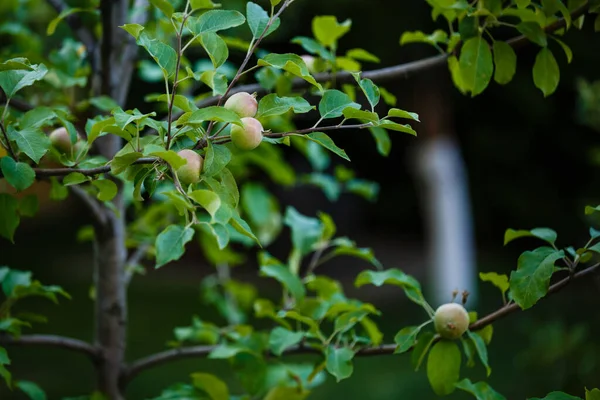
x=248, y=137
x=243, y=104
x=451, y=320
x=190, y=172
x=310, y=63
x=61, y=140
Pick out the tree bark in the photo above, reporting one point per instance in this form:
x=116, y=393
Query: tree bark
x=111, y=303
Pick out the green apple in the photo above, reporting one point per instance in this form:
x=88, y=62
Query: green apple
x=249, y=136
x=190, y=172
x=310, y=63
x=61, y=140
x=451, y=320
x=243, y=104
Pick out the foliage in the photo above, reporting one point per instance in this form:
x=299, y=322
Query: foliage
x=186, y=49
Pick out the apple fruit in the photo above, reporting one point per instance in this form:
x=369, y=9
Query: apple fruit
x=243, y=104
x=451, y=320
x=61, y=140
x=249, y=136
x=190, y=172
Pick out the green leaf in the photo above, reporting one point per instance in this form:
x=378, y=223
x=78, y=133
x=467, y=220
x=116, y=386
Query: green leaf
x=534, y=32
x=272, y=105
x=213, y=113
x=443, y=367
x=396, y=112
x=370, y=90
x=481, y=390
x=290, y=281
x=120, y=162
x=258, y=20
x=32, y=141
x=339, y=362
x=393, y=126
x=164, y=55
x=500, y=281
x=11, y=81
x=18, y=174
x=281, y=339
x=75, y=178
x=476, y=65
x=242, y=227
x=215, y=47
x=406, y=338
x=557, y=396
x=327, y=30
x=505, y=60
x=546, y=234
x=283, y=392
x=334, y=102
x=382, y=139
x=291, y=63
x=107, y=189
x=214, y=21
x=362, y=115
x=28, y=205
x=225, y=351
x=593, y=394
x=352, y=251
x=546, y=73
x=424, y=342
x=165, y=6
x=217, y=158
x=566, y=48
x=202, y=4
x=325, y=141
x=438, y=36
x=170, y=243
x=215, y=388
x=393, y=276
x=306, y=231
x=362, y=55
x=33, y=391
x=481, y=350
x=209, y=200
x=64, y=14
x=529, y=283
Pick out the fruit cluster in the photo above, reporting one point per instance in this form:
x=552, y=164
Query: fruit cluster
x=245, y=137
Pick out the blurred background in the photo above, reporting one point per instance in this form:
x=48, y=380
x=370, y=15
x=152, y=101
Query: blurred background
x=515, y=160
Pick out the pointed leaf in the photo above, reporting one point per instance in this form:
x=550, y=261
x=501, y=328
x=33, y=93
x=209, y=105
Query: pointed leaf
x=170, y=243
x=443, y=367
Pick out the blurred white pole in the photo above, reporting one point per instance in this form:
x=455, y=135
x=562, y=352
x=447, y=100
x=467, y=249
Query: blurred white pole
x=448, y=217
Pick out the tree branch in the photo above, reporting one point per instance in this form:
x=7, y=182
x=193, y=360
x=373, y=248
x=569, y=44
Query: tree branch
x=389, y=73
x=134, y=259
x=92, y=204
x=76, y=25
x=52, y=341
x=202, y=351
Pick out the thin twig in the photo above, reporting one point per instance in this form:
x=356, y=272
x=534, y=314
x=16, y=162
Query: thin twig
x=7, y=140
x=92, y=204
x=176, y=77
x=133, y=260
x=52, y=341
x=202, y=351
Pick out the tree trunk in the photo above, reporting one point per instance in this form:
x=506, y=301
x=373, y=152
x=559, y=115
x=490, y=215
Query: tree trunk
x=111, y=303
x=117, y=52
